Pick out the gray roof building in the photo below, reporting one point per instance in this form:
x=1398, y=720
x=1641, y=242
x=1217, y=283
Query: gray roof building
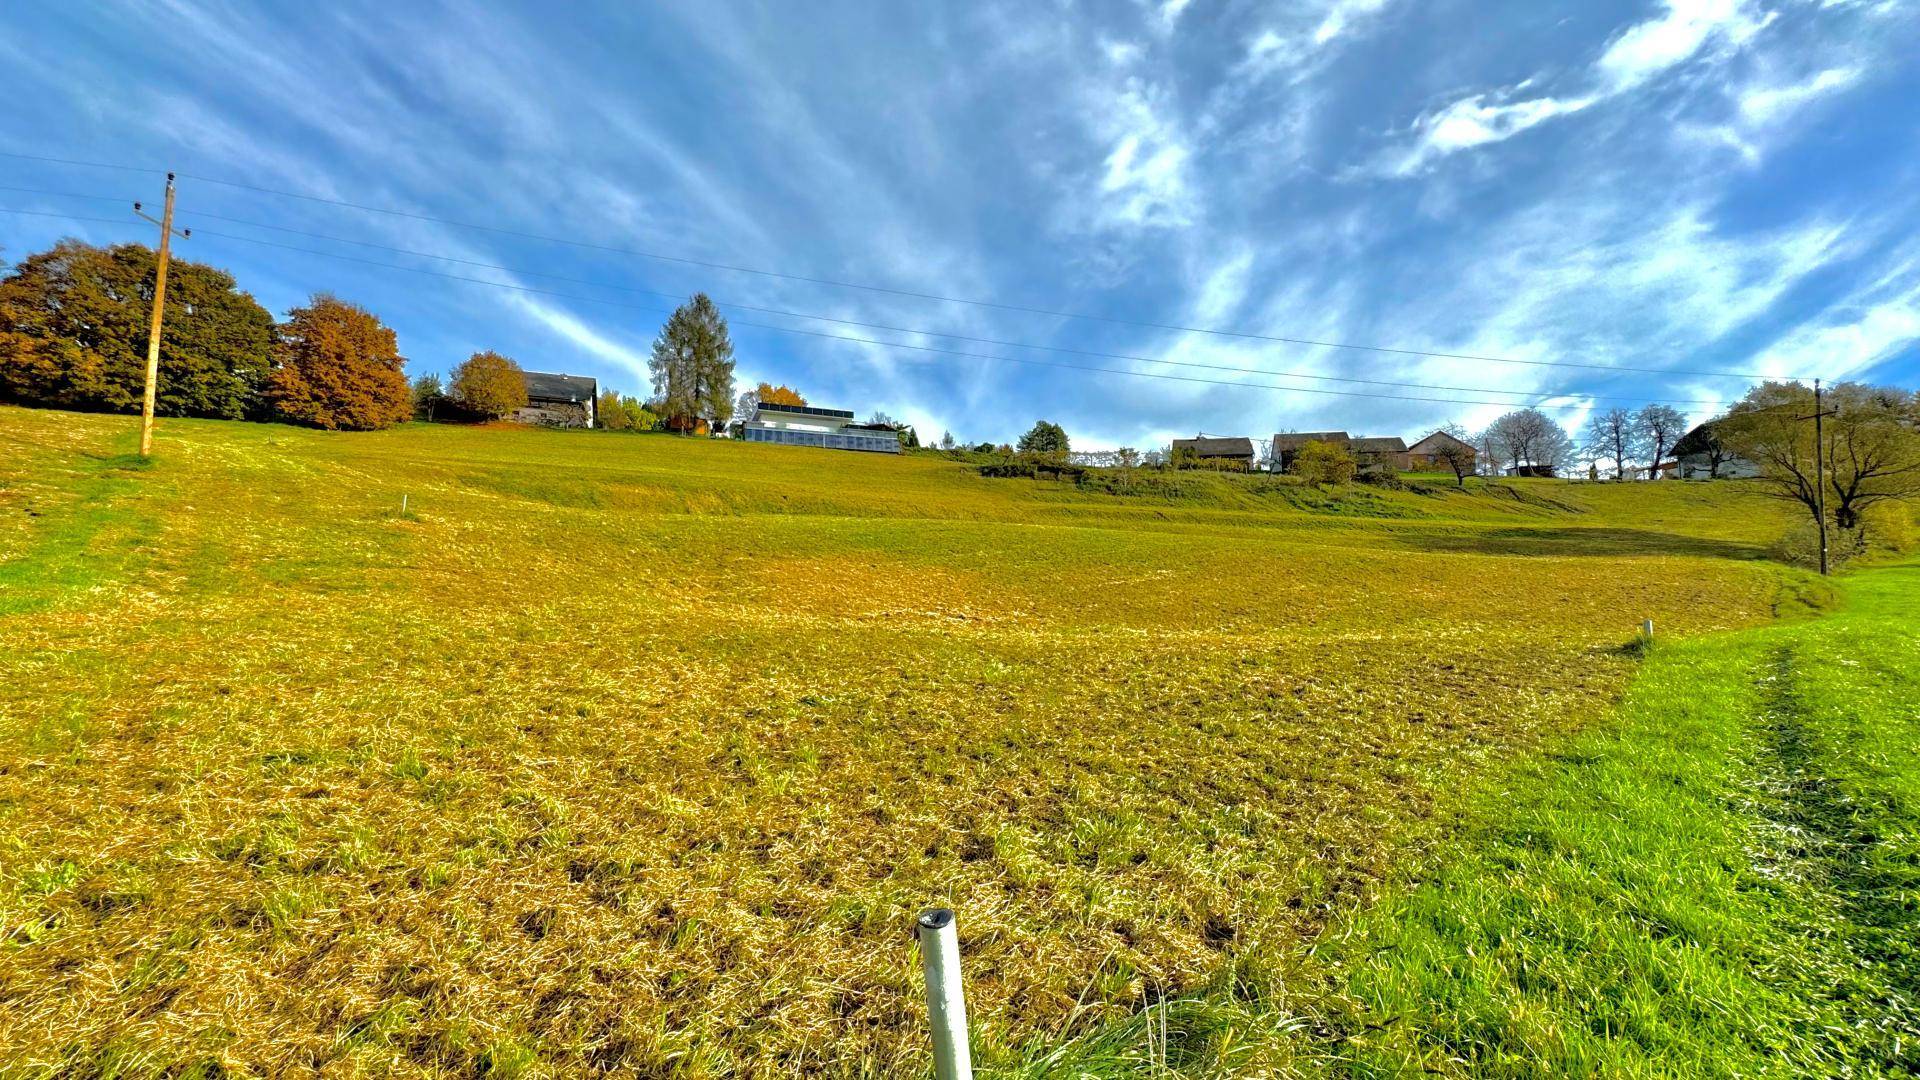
x=543, y=386
x=1294, y=440
x=559, y=400
x=1388, y=444
x=1238, y=446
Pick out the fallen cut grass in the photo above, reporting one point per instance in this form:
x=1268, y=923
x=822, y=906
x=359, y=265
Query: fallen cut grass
x=639, y=754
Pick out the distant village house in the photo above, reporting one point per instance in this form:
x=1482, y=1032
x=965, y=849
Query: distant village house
x=1233, y=453
x=1382, y=454
x=558, y=400
x=1286, y=447
x=1441, y=451
x=807, y=425
x=1371, y=453
x=1699, y=455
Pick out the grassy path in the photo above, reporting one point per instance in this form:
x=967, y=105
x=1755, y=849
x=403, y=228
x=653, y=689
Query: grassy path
x=1723, y=881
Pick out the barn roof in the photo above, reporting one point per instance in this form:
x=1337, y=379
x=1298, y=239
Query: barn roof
x=1378, y=444
x=1432, y=443
x=545, y=386
x=1236, y=446
x=1294, y=440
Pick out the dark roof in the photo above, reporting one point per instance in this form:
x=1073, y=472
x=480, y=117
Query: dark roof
x=543, y=386
x=1294, y=440
x=1378, y=445
x=807, y=410
x=1698, y=441
x=1421, y=447
x=1237, y=446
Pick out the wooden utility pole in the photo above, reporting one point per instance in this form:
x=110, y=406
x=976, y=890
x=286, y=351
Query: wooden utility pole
x=159, y=308
x=1820, y=473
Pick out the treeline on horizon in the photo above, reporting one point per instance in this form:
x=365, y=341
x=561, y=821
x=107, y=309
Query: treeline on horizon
x=75, y=321
x=74, y=325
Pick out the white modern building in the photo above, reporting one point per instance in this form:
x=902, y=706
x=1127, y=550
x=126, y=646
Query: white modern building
x=805, y=425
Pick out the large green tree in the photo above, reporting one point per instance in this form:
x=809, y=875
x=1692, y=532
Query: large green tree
x=692, y=365
x=73, y=333
x=338, y=366
x=1045, y=437
x=1869, y=451
x=428, y=396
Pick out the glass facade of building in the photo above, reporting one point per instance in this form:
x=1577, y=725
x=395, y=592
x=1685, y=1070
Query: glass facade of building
x=879, y=442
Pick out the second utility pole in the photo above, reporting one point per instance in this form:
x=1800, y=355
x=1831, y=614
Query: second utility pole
x=159, y=308
x=1820, y=474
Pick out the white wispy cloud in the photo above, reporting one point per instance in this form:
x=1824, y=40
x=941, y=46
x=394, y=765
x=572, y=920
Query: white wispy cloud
x=576, y=332
x=1873, y=322
x=1342, y=16
x=1764, y=105
x=1838, y=347
x=1145, y=181
x=1475, y=121
x=1299, y=39
x=1686, y=29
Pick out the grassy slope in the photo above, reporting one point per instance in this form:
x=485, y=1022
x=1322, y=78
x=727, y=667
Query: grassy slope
x=1724, y=880
x=642, y=751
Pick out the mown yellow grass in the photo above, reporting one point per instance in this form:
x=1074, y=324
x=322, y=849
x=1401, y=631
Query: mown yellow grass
x=637, y=754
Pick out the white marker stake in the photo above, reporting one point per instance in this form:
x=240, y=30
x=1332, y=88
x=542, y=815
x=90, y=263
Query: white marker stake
x=403, y=502
x=946, y=1004
x=1646, y=628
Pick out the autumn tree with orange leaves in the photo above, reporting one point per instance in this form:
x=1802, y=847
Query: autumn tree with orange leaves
x=337, y=366
x=489, y=385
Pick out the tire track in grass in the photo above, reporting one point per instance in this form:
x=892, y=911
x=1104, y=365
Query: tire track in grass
x=1821, y=840
x=90, y=542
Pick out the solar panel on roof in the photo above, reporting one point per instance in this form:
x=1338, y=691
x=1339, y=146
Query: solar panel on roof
x=807, y=410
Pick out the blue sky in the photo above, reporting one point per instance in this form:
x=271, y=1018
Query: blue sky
x=1686, y=185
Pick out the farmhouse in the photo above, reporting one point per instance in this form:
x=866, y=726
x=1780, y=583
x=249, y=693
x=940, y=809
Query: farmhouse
x=1701, y=456
x=1236, y=452
x=1440, y=451
x=806, y=425
x=1287, y=445
x=1370, y=453
x=1373, y=454
x=558, y=400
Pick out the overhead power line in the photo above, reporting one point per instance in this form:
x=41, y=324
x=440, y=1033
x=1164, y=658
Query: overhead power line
x=69, y=194
x=1542, y=396
x=915, y=348
x=742, y=306
x=67, y=217
x=905, y=293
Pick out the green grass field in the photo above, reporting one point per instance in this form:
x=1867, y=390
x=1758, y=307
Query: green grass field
x=636, y=755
